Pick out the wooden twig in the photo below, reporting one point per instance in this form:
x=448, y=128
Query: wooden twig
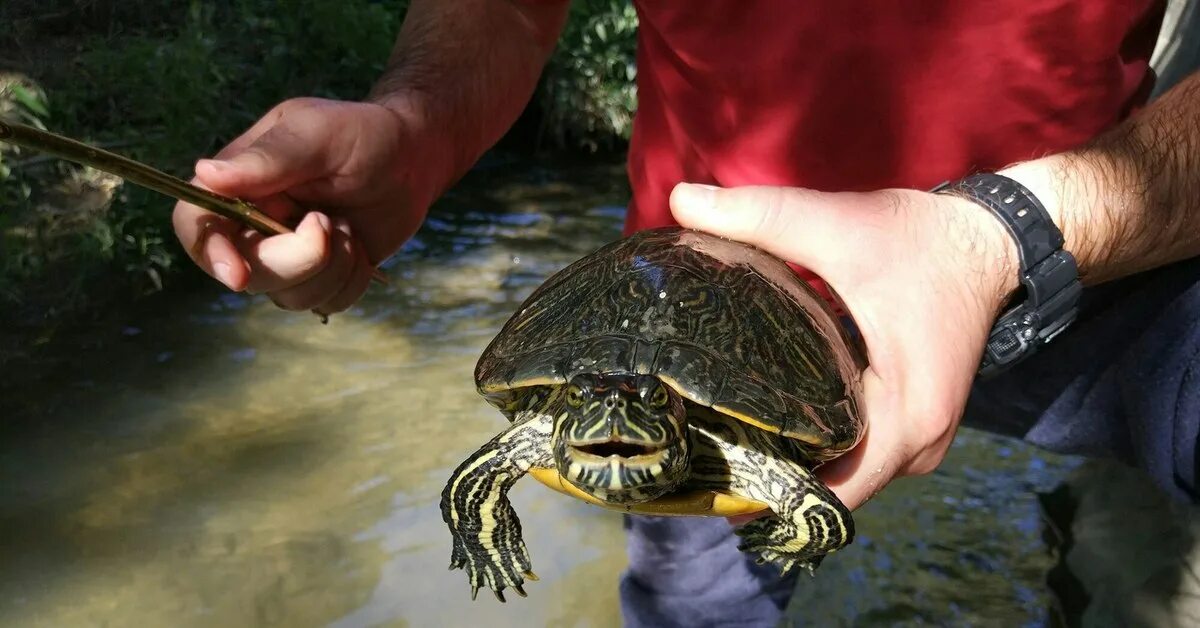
x=147, y=177
x=32, y=162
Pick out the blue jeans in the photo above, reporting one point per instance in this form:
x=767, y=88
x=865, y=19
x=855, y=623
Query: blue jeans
x=1122, y=382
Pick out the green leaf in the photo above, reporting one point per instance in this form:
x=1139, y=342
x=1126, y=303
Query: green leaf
x=30, y=101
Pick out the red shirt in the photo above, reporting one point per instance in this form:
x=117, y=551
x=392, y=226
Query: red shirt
x=868, y=94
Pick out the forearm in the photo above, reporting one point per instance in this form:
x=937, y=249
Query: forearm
x=1130, y=200
x=463, y=70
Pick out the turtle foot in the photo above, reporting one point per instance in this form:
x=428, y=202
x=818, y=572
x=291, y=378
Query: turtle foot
x=506, y=566
x=776, y=541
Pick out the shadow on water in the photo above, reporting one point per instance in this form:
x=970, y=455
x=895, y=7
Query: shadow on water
x=218, y=462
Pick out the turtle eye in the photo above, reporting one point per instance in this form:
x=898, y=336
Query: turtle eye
x=659, y=397
x=574, y=396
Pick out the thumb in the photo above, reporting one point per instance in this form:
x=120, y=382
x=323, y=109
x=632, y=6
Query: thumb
x=279, y=159
x=797, y=225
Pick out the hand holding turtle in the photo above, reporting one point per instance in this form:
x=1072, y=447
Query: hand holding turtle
x=343, y=158
x=924, y=276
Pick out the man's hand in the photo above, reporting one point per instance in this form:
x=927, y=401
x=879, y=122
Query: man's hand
x=924, y=276
x=344, y=162
x=365, y=173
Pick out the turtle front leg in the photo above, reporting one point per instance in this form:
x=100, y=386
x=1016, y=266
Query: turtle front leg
x=805, y=527
x=809, y=521
x=486, y=530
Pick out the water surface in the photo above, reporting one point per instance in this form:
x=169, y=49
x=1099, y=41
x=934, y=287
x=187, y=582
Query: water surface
x=217, y=462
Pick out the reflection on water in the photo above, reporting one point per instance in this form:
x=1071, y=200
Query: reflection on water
x=217, y=462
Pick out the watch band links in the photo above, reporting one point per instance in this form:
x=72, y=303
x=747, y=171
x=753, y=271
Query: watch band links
x=1048, y=274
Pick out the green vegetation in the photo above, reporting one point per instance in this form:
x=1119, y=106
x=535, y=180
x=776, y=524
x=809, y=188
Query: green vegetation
x=165, y=82
x=587, y=92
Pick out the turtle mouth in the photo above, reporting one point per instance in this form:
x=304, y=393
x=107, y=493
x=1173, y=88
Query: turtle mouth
x=619, y=449
x=618, y=471
x=606, y=451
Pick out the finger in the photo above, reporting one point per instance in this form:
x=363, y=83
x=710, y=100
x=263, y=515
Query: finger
x=281, y=207
x=208, y=240
x=285, y=261
x=284, y=156
x=355, y=287
x=327, y=283
x=801, y=226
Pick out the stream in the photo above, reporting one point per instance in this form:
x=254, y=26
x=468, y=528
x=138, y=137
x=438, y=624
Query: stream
x=214, y=461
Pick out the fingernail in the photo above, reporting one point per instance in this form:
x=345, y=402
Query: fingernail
x=215, y=165
x=224, y=274
x=696, y=195
x=323, y=220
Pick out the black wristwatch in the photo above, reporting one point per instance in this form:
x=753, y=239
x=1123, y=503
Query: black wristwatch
x=1048, y=273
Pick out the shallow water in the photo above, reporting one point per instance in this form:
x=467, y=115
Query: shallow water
x=217, y=462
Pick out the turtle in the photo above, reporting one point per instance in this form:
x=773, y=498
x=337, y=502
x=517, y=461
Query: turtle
x=671, y=372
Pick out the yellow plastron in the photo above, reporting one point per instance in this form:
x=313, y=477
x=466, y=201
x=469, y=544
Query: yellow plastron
x=691, y=503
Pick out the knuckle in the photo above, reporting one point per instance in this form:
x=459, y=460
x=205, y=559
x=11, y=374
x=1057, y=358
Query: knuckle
x=262, y=148
x=303, y=114
x=896, y=202
x=773, y=216
x=295, y=106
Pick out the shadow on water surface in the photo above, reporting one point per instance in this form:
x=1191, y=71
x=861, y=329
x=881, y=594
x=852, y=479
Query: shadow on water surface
x=225, y=463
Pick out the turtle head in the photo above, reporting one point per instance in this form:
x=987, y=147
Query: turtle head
x=622, y=438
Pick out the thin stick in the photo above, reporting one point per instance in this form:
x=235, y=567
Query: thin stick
x=147, y=177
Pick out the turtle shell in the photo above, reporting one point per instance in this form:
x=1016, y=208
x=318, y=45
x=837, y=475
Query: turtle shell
x=725, y=324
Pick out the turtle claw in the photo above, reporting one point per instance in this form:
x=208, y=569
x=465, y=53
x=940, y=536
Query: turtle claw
x=774, y=540
x=486, y=569
x=529, y=575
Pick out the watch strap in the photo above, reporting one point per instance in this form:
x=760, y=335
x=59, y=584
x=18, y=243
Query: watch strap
x=1048, y=273
x=1024, y=216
